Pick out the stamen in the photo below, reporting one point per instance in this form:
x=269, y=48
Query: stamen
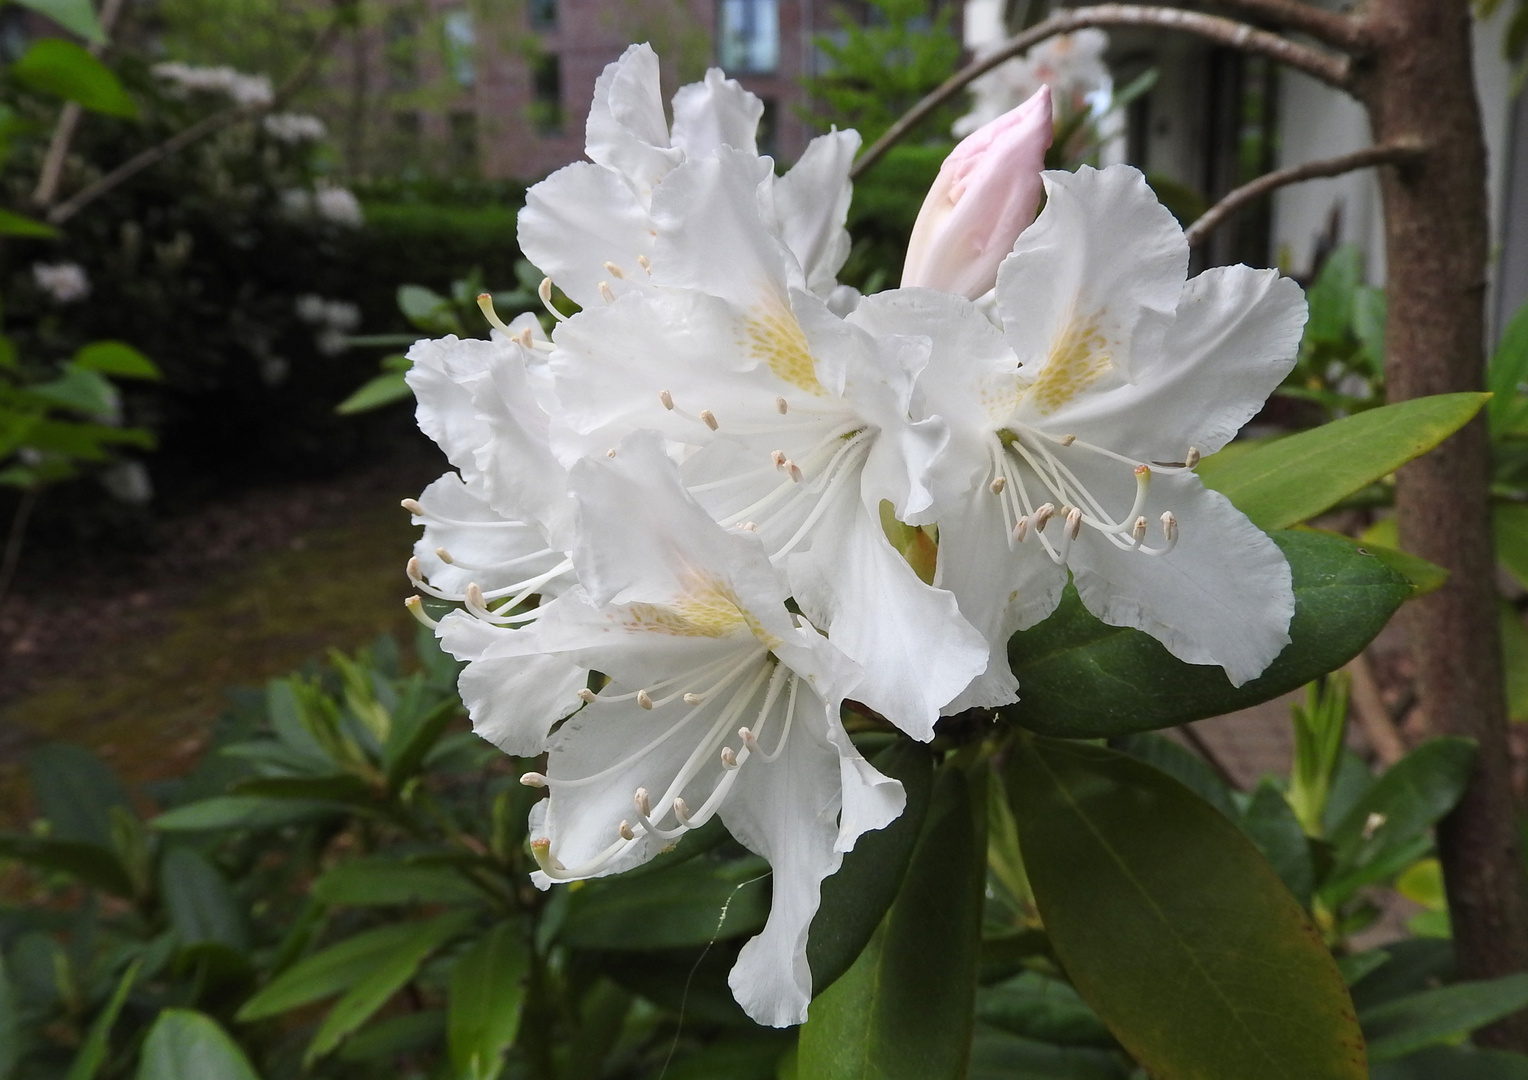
x=708, y=418
x=413, y=507
x=748, y=526
x=1021, y=530
x=587, y=696
x=533, y=779
x=642, y=802
x=444, y=556
x=644, y=699
x=1169, y=526
x=792, y=470
x=694, y=699
x=416, y=608
x=485, y=305
x=1191, y=458
x=614, y=271
x=606, y=293
x=541, y=851
x=782, y=406
x=667, y=399
x=625, y=831
x=544, y=290
x=524, y=338
x=414, y=571
x=645, y=263
x=1138, y=533
x=778, y=457
x=729, y=758
x=1073, y=523
x=610, y=452
x=1067, y=440
x=1042, y=516
x=682, y=812
x=998, y=485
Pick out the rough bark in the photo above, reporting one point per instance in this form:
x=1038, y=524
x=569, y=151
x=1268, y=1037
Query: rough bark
x=1418, y=86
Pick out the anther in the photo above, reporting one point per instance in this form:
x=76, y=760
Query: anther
x=541, y=851
x=485, y=305
x=1021, y=529
x=413, y=507
x=644, y=699
x=587, y=696
x=645, y=263
x=1169, y=526
x=475, y=597
x=694, y=699
x=749, y=526
x=415, y=573
x=544, y=290
x=793, y=470
x=729, y=758
x=1041, y=516
x=782, y=406
x=610, y=452
x=682, y=811
x=1372, y=825
x=708, y=418
x=667, y=399
x=778, y=457
x=533, y=779
x=416, y=608
x=626, y=833
x=444, y=556
x=641, y=802
x=606, y=293
x=614, y=271
x=1191, y=458
x=524, y=337
x=998, y=485
x=1073, y=522
x=749, y=739
x=1138, y=531
x=1067, y=440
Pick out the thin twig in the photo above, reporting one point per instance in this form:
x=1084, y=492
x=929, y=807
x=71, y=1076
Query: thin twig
x=202, y=128
x=13, y=541
x=1215, y=216
x=1206, y=751
x=1328, y=67
x=1378, y=726
x=1329, y=26
x=69, y=120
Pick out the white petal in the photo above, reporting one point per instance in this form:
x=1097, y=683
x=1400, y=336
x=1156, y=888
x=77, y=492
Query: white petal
x=1236, y=336
x=1092, y=286
x=520, y=477
x=485, y=547
x=1222, y=596
x=811, y=204
x=917, y=651
x=713, y=113
x=442, y=378
x=626, y=129
x=577, y=220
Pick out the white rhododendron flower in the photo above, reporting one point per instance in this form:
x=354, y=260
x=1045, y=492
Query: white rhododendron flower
x=1071, y=65
x=241, y=88
x=1075, y=428
x=720, y=703
x=65, y=282
x=294, y=127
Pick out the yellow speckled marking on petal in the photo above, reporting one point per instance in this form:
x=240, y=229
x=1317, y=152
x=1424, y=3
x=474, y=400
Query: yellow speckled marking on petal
x=709, y=608
x=773, y=336
x=1078, y=357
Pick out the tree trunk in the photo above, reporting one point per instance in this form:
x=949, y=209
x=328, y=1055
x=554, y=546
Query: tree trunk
x=1418, y=85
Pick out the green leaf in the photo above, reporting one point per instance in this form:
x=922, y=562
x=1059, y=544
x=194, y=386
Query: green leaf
x=1273, y=827
x=1455, y=1062
x=76, y=16
x=904, y=1009
x=1038, y=1007
x=55, y=66
x=201, y=906
x=1290, y=480
x=383, y=390
x=1172, y=926
x=92, y=1052
x=75, y=792
x=87, y=442
x=337, y=788
x=1085, y=679
x=428, y=310
x=12, y=1029
x=414, y=1034
x=17, y=225
x=1508, y=373
x=185, y=1045
x=856, y=896
x=1396, y=813
x=999, y=1056
x=352, y=961
x=1509, y=525
x=1330, y=297
x=1382, y=540
x=487, y=994
x=1183, y=765
x=83, y=391
x=411, y=741
x=95, y=866
x=245, y=812
x=116, y=358
x=381, y=880
x=396, y=969
x=694, y=903
x=1435, y=1016
x=1514, y=654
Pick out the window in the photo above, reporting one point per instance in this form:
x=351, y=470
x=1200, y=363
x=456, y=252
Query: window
x=546, y=94
x=459, y=50
x=543, y=14
x=748, y=35
x=464, y=142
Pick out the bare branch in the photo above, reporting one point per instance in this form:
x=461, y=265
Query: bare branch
x=1328, y=26
x=1378, y=726
x=202, y=128
x=1328, y=67
x=1387, y=154
x=69, y=121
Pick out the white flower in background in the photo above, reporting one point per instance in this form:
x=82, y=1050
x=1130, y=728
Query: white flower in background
x=339, y=205
x=241, y=88
x=597, y=214
x=1072, y=65
x=1075, y=428
x=64, y=282
x=128, y=482
x=795, y=425
x=294, y=127
x=335, y=320
x=719, y=703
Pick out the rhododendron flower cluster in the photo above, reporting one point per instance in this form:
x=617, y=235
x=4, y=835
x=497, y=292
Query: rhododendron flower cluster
x=663, y=538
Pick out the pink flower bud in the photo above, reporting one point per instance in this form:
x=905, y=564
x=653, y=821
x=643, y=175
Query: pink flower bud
x=986, y=194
